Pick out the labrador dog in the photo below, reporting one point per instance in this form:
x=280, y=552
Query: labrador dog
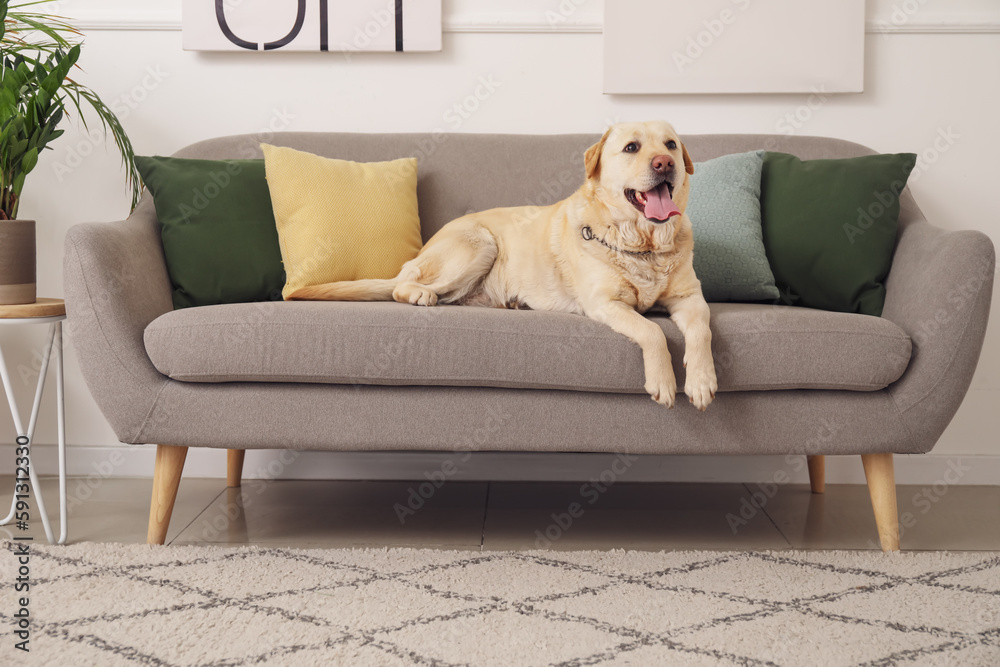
x=616, y=248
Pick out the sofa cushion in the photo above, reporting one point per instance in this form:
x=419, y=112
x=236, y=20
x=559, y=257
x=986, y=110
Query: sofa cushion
x=756, y=347
x=830, y=227
x=219, y=238
x=724, y=208
x=342, y=220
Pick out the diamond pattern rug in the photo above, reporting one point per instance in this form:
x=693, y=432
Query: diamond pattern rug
x=110, y=604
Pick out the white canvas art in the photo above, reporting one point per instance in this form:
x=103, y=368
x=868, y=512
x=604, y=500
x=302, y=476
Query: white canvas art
x=734, y=46
x=312, y=25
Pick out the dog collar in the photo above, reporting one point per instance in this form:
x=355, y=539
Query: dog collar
x=588, y=235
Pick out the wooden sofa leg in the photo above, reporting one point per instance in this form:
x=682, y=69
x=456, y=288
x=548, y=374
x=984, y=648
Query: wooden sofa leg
x=882, y=489
x=234, y=466
x=166, y=478
x=817, y=473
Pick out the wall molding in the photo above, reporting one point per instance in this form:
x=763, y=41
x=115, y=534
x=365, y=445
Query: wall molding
x=459, y=24
x=933, y=28
x=117, y=22
x=95, y=462
x=153, y=21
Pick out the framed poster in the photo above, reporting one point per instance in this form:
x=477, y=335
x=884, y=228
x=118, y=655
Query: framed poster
x=312, y=25
x=734, y=46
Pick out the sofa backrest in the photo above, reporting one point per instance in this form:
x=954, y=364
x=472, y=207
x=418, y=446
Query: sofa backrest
x=463, y=173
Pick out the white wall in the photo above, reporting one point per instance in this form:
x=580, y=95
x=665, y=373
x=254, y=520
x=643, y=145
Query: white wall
x=929, y=71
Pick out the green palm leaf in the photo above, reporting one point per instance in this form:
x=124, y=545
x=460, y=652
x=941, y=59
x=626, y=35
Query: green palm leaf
x=37, y=53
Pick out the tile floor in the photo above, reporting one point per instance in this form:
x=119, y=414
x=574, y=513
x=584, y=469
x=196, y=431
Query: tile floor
x=480, y=515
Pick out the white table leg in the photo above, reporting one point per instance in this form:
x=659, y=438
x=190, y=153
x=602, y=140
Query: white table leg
x=25, y=437
x=61, y=431
x=33, y=420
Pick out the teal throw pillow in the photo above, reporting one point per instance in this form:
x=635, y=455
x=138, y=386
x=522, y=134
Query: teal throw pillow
x=724, y=208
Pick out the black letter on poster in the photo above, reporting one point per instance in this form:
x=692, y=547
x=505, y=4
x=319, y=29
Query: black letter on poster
x=399, y=25
x=220, y=13
x=324, y=26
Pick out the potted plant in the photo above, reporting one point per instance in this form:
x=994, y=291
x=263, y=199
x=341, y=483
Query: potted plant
x=36, y=93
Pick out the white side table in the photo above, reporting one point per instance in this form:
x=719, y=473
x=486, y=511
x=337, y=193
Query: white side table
x=51, y=312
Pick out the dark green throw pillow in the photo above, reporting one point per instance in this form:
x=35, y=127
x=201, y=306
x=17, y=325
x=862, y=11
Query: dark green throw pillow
x=830, y=228
x=219, y=236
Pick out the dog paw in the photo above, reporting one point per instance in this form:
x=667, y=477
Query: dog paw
x=662, y=387
x=700, y=386
x=418, y=295
x=424, y=297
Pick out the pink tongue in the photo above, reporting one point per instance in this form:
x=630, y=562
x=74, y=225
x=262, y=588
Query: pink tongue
x=659, y=205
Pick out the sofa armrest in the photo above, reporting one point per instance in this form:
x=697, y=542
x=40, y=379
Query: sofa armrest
x=116, y=283
x=939, y=291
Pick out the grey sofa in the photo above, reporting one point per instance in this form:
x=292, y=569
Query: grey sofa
x=387, y=376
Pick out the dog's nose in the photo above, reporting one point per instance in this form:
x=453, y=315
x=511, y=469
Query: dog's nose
x=662, y=163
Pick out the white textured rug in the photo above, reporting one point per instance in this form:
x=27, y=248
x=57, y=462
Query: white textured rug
x=106, y=604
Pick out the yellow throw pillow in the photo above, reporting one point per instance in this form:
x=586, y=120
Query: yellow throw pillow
x=341, y=220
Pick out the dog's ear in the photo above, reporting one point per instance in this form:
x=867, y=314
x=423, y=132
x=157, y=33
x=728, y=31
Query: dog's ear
x=592, y=158
x=688, y=164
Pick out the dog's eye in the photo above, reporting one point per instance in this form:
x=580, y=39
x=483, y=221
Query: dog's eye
x=671, y=145
x=632, y=147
